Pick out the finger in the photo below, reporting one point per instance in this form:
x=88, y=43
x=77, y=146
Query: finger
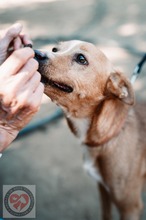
x=23, y=81
x=37, y=96
x=17, y=43
x=29, y=100
x=21, y=85
x=26, y=39
x=33, y=83
x=26, y=73
x=16, y=61
x=9, y=34
x=32, y=97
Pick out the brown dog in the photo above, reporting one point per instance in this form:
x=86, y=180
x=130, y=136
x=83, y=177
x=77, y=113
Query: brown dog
x=98, y=105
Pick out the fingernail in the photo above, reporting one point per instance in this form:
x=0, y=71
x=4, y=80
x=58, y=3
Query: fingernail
x=28, y=45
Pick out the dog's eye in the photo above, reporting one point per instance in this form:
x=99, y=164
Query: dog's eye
x=80, y=58
x=54, y=50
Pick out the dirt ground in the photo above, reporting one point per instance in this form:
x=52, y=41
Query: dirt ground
x=51, y=157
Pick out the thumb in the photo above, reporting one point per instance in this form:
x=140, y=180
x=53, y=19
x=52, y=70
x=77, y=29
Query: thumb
x=10, y=33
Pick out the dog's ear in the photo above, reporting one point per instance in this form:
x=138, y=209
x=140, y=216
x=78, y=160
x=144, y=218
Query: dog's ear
x=119, y=86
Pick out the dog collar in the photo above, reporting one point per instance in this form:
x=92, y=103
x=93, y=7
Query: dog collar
x=137, y=69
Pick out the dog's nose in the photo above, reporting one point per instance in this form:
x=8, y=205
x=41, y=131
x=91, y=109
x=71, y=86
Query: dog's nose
x=40, y=56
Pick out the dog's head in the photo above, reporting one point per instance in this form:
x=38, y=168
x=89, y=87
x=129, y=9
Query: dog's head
x=78, y=76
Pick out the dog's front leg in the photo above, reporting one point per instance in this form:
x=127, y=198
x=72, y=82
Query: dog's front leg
x=131, y=209
x=133, y=214
x=136, y=215
x=106, y=203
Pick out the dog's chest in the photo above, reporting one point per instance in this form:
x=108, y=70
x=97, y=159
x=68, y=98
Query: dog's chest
x=81, y=126
x=89, y=165
x=91, y=168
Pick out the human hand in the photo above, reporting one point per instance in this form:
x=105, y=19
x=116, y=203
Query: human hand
x=20, y=93
x=11, y=39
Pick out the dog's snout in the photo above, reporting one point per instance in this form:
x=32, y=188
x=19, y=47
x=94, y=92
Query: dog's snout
x=40, y=56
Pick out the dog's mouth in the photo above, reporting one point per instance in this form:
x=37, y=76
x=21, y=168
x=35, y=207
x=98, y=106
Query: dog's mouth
x=58, y=85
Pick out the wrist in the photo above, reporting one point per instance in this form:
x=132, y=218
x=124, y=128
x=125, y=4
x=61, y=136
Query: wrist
x=6, y=138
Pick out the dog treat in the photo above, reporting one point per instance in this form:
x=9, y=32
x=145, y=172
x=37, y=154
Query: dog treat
x=28, y=45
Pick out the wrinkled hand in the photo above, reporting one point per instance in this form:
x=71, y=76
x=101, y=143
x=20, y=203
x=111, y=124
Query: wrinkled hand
x=20, y=93
x=11, y=40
